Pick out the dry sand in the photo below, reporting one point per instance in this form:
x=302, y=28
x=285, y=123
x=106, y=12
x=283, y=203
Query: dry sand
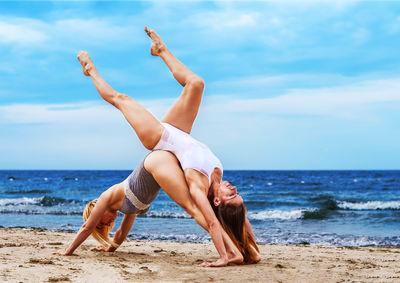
x=26, y=256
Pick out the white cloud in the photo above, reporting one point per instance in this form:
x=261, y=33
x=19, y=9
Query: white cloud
x=95, y=31
x=394, y=26
x=65, y=33
x=345, y=101
x=260, y=81
x=86, y=113
x=95, y=135
x=220, y=21
x=349, y=101
x=25, y=32
x=361, y=35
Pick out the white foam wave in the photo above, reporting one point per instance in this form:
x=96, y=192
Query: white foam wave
x=166, y=214
x=39, y=212
x=369, y=205
x=203, y=237
x=278, y=214
x=19, y=201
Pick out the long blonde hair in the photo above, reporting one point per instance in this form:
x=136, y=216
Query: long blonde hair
x=100, y=234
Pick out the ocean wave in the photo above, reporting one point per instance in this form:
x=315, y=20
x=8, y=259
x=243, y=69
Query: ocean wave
x=165, y=214
x=42, y=201
x=170, y=237
x=19, y=201
x=326, y=239
x=39, y=212
x=279, y=214
x=325, y=202
x=27, y=192
x=369, y=205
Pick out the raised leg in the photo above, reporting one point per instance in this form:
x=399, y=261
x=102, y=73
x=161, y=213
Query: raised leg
x=146, y=126
x=183, y=113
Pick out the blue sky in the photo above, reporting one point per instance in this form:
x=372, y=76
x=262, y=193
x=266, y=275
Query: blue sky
x=289, y=84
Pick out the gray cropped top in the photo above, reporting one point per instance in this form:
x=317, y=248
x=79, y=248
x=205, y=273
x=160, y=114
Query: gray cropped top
x=140, y=190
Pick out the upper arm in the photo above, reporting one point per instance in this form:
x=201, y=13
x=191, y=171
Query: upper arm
x=203, y=204
x=98, y=211
x=198, y=184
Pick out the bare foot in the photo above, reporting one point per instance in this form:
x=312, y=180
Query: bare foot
x=236, y=259
x=86, y=62
x=157, y=45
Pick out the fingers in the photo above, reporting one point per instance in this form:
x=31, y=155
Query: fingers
x=99, y=249
x=205, y=264
x=217, y=263
x=60, y=252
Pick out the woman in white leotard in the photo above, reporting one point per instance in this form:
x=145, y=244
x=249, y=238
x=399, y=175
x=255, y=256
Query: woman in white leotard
x=218, y=201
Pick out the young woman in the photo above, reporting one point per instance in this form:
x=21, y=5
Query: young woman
x=202, y=170
x=133, y=196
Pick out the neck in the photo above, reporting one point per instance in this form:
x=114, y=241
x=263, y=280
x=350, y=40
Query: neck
x=216, y=177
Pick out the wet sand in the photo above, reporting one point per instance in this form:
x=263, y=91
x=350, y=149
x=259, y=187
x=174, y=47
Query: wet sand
x=26, y=256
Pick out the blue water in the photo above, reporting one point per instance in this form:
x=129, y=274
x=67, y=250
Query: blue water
x=341, y=208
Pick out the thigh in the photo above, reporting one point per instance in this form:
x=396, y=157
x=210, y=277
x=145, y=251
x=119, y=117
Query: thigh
x=147, y=127
x=183, y=113
x=166, y=170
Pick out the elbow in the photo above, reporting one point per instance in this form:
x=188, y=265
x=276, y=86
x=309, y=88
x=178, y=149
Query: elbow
x=212, y=225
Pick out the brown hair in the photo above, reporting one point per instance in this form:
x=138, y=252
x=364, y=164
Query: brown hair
x=100, y=234
x=232, y=219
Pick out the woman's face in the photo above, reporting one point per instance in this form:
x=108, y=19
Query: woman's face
x=107, y=219
x=228, y=194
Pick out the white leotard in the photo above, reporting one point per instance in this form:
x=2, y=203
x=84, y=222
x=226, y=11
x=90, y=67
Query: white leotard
x=190, y=152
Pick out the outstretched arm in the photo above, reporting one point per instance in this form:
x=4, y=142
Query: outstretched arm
x=120, y=235
x=214, y=227
x=88, y=227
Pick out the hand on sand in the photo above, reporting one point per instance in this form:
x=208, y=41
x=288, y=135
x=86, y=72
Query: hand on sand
x=101, y=249
x=218, y=263
x=61, y=252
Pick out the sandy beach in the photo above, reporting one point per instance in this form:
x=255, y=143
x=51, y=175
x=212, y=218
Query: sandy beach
x=26, y=256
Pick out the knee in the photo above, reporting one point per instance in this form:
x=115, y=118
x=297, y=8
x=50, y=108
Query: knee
x=117, y=99
x=196, y=82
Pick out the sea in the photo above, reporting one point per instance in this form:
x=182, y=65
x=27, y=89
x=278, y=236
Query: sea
x=334, y=208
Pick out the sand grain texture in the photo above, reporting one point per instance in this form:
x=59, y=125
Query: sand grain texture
x=26, y=256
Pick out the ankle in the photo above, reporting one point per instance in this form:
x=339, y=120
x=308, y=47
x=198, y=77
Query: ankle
x=92, y=71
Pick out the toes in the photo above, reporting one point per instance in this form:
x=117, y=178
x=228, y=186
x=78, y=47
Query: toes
x=149, y=32
x=82, y=55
